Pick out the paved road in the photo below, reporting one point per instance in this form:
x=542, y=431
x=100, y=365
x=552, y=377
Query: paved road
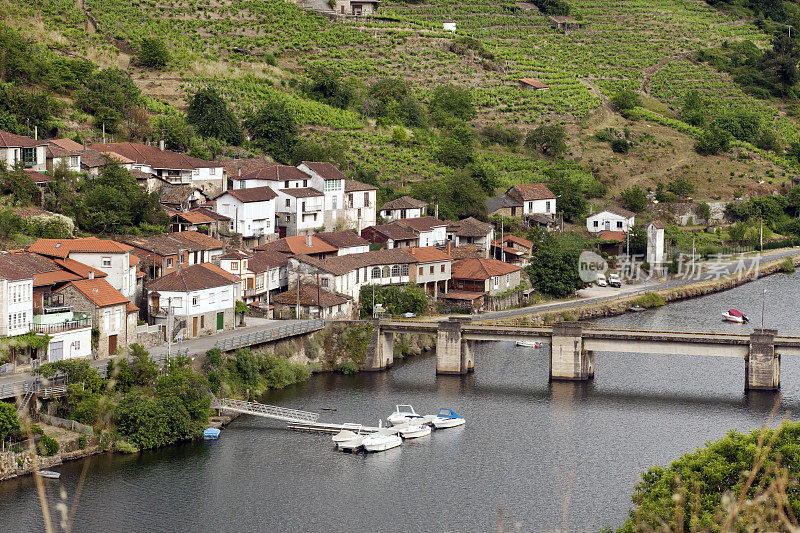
x=715, y=271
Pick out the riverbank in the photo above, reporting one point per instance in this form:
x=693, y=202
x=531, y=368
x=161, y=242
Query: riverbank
x=672, y=294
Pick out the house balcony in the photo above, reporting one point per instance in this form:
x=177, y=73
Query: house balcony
x=249, y=293
x=52, y=323
x=314, y=208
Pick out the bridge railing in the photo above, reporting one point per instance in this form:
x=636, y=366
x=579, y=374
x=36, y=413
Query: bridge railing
x=259, y=337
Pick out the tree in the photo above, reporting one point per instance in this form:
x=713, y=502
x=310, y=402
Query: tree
x=273, y=128
x=210, y=115
x=681, y=187
x=553, y=269
x=325, y=84
x=703, y=211
x=713, y=140
x=626, y=99
x=9, y=423
x=109, y=95
x=18, y=183
x=456, y=149
x=449, y=102
x=153, y=53
x=548, y=140
x=793, y=201
x=780, y=63
x=397, y=300
x=176, y=133
x=634, y=198
x=571, y=201
x=694, y=109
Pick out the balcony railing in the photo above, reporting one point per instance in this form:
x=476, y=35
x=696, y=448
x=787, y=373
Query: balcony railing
x=314, y=208
x=63, y=326
x=253, y=292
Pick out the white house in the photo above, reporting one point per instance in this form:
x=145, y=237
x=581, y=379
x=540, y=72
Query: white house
x=403, y=207
x=252, y=212
x=431, y=231
x=199, y=299
x=70, y=332
x=610, y=219
x=20, y=149
x=471, y=231
x=523, y=200
x=359, y=203
x=275, y=176
x=260, y=272
x=16, y=301
x=111, y=257
x=176, y=168
x=330, y=180
x=64, y=153
x=300, y=210
x=346, y=242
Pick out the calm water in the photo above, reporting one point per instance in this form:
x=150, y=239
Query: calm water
x=528, y=446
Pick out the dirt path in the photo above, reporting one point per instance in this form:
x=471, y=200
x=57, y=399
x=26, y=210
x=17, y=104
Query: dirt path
x=649, y=72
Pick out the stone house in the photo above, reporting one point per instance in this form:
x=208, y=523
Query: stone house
x=313, y=302
x=356, y=8
x=112, y=314
x=487, y=276
x=522, y=201
x=512, y=249
x=470, y=231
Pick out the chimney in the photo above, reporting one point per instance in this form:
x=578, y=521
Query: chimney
x=91, y=274
x=240, y=172
x=36, y=132
x=308, y=240
x=436, y=211
x=448, y=247
x=161, y=145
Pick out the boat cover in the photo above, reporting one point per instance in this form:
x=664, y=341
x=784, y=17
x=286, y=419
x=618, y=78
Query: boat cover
x=734, y=312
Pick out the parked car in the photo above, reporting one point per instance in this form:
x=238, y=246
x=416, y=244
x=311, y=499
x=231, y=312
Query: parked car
x=600, y=280
x=614, y=281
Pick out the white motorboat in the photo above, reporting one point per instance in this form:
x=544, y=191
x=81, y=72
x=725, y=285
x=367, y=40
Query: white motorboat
x=528, y=344
x=48, y=474
x=414, y=430
x=447, y=418
x=734, y=315
x=402, y=414
x=380, y=441
x=349, y=438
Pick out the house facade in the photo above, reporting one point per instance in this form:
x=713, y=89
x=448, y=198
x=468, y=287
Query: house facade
x=64, y=153
x=261, y=273
x=195, y=301
x=610, y=219
x=21, y=149
x=300, y=211
x=488, y=276
x=359, y=204
x=313, y=302
x=470, y=231
x=521, y=201
x=346, y=242
x=252, y=213
x=403, y=207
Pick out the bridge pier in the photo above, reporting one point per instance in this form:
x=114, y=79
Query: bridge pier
x=454, y=355
x=568, y=359
x=762, y=366
x=380, y=351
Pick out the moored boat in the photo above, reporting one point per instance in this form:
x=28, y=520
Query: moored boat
x=413, y=431
x=349, y=438
x=402, y=414
x=380, y=441
x=211, y=434
x=528, y=344
x=734, y=315
x=48, y=474
x=447, y=418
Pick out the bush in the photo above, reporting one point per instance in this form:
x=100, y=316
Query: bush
x=548, y=140
x=124, y=446
x=9, y=422
x=153, y=53
x=649, y=300
x=620, y=146
x=634, y=198
x=626, y=99
x=787, y=266
x=82, y=442
x=48, y=446
x=347, y=367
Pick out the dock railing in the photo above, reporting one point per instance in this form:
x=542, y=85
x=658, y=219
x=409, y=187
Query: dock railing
x=279, y=332
x=264, y=410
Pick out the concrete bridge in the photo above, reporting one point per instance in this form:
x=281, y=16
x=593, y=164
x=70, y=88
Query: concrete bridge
x=572, y=346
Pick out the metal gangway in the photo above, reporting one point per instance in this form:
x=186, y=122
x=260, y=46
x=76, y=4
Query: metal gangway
x=264, y=410
x=268, y=335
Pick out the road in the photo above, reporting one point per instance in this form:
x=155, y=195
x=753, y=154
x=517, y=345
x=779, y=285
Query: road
x=719, y=270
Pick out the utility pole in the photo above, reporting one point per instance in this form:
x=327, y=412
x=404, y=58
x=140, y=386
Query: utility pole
x=502, y=239
x=169, y=326
x=297, y=307
x=763, y=298
x=761, y=236
x=319, y=301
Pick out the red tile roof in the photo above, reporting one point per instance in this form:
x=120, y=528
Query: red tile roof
x=38, y=177
x=193, y=278
x=63, y=148
x=256, y=194
x=153, y=157
x=356, y=186
x=194, y=217
x=427, y=254
x=516, y=240
x=616, y=236
x=274, y=172
x=63, y=247
x=532, y=82
x=98, y=291
x=206, y=241
x=309, y=295
x=298, y=245
x=10, y=140
x=325, y=170
x=481, y=268
x=84, y=271
x=422, y=223
x=342, y=239
x=462, y=295
x=533, y=191
x=404, y=202
x=303, y=192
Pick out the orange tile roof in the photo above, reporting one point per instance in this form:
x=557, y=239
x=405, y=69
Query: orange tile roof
x=56, y=276
x=481, y=268
x=426, y=254
x=134, y=260
x=616, y=236
x=298, y=245
x=210, y=243
x=63, y=247
x=194, y=217
x=533, y=82
x=516, y=240
x=130, y=308
x=79, y=268
x=98, y=291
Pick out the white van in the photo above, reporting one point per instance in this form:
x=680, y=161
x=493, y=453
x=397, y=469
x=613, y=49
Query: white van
x=600, y=280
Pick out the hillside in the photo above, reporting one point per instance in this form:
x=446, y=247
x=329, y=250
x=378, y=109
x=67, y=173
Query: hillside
x=254, y=51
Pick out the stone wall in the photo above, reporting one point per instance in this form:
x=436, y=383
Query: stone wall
x=207, y=323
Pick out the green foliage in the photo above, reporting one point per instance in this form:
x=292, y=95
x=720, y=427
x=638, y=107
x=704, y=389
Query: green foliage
x=153, y=53
x=109, y=95
x=356, y=342
x=769, y=208
x=456, y=149
x=681, y=187
x=209, y=113
x=626, y=99
x=273, y=128
x=47, y=446
x=461, y=194
x=553, y=269
x=620, y=146
x=634, y=198
x=694, y=109
x=347, y=368
x=548, y=140
x=123, y=446
x=571, y=199
x=141, y=370
x=713, y=140
x=649, y=300
x=326, y=84
x=173, y=129
x=279, y=372
x=247, y=366
x=396, y=299
x=82, y=442
x=9, y=423
x=698, y=480
x=703, y=211
x=553, y=7
x=392, y=101
x=462, y=43
x=21, y=109
x=18, y=184
x=449, y=103
x=787, y=266
x=495, y=134
x=742, y=124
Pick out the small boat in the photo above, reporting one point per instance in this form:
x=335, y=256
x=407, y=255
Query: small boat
x=447, y=418
x=528, y=344
x=48, y=474
x=402, y=413
x=413, y=431
x=636, y=309
x=349, y=438
x=211, y=434
x=380, y=441
x=735, y=316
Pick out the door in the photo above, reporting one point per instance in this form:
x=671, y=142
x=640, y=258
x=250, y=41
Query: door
x=194, y=327
x=156, y=303
x=220, y=321
x=56, y=351
x=608, y=225
x=112, y=344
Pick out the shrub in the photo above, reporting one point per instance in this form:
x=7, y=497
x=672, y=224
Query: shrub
x=9, y=422
x=123, y=446
x=153, y=53
x=347, y=367
x=48, y=446
x=787, y=266
x=649, y=300
x=548, y=140
x=626, y=99
x=634, y=198
x=82, y=442
x=620, y=146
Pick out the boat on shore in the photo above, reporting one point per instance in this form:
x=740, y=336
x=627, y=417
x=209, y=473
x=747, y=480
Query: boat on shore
x=636, y=309
x=447, y=418
x=734, y=315
x=48, y=474
x=529, y=344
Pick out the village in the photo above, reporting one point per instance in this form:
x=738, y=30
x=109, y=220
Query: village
x=252, y=237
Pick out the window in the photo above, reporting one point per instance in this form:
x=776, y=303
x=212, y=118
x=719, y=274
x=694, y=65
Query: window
x=234, y=265
x=288, y=203
x=334, y=202
x=169, y=262
x=350, y=199
x=386, y=271
x=496, y=280
x=73, y=162
x=213, y=171
x=305, y=183
x=420, y=271
x=359, y=214
x=395, y=270
x=339, y=308
x=180, y=259
x=106, y=262
x=404, y=270
x=358, y=275
x=530, y=207
x=324, y=282
x=194, y=301
x=226, y=296
x=259, y=282
x=366, y=199
x=315, y=217
x=508, y=279
x=267, y=223
x=333, y=185
x=211, y=297
x=595, y=223
x=177, y=301
x=431, y=270
x=619, y=223
x=547, y=206
x=29, y=156
x=286, y=184
x=274, y=275
x=442, y=268
x=76, y=345
x=376, y=273
x=304, y=207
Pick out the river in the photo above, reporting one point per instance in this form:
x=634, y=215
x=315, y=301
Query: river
x=530, y=448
